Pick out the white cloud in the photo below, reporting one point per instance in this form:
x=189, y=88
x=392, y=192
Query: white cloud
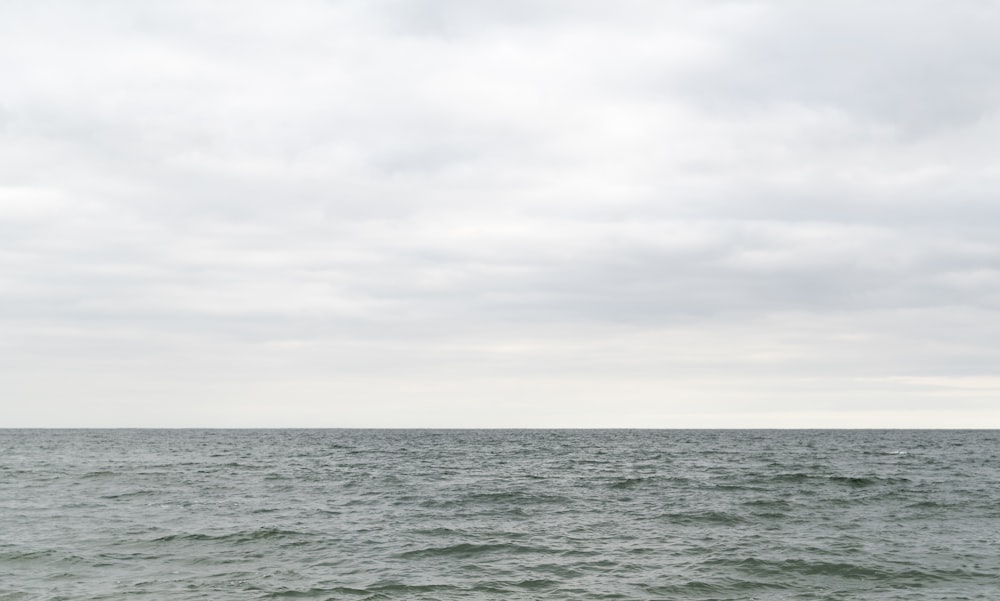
x=461, y=213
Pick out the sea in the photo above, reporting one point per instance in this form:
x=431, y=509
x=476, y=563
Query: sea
x=499, y=514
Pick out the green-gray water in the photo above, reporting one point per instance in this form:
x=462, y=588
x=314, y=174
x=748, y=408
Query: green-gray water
x=422, y=514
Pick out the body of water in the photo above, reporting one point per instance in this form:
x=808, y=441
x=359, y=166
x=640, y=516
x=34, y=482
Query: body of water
x=499, y=514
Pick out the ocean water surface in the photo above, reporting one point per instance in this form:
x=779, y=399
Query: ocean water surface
x=499, y=514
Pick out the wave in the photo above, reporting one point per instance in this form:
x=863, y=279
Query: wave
x=841, y=569
x=239, y=537
x=504, y=498
x=316, y=593
x=466, y=550
x=624, y=483
x=130, y=494
x=99, y=474
x=852, y=481
x=722, y=586
x=724, y=518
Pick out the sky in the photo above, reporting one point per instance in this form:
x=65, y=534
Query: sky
x=459, y=213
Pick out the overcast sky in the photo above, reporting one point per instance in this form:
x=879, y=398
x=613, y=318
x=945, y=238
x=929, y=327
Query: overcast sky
x=415, y=213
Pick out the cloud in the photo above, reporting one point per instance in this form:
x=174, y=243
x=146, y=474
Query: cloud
x=917, y=71
x=741, y=205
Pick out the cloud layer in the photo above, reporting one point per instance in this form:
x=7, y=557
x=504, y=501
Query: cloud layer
x=499, y=214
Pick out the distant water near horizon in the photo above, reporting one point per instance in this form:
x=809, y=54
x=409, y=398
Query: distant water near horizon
x=499, y=514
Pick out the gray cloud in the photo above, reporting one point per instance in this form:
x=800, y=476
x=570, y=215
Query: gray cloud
x=918, y=70
x=436, y=213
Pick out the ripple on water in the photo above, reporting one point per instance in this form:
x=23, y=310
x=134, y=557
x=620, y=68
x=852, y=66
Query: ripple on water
x=449, y=515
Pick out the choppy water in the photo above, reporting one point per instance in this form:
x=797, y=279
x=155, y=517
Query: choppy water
x=376, y=514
